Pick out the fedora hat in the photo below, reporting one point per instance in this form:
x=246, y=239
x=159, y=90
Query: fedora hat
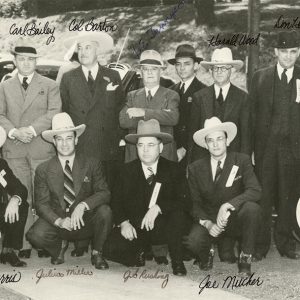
x=211, y=125
x=2, y=136
x=222, y=56
x=104, y=40
x=185, y=50
x=149, y=128
x=24, y=47
x=62, y=122
x=287, y=39
x=151, y=58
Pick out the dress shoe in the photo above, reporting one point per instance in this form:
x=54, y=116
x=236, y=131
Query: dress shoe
x=230, y=259
x=207, y=264
x=244, y=264
x=289, y=254
x=60, y=259
x=140, y=259
x=99, y=262
x=12, y=259
x=43, y=253
x=77, y=252
x=257, y=256
x=57, y=261
x=178, y=268
x=25, y=253
x=161, y=260
x=149, y=255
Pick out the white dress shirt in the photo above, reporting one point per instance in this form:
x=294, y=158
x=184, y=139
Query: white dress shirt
x=225, y=90
x=152, y=91
x=289, y=72
x=187, y=83
x=214, y=164
x=94, y=71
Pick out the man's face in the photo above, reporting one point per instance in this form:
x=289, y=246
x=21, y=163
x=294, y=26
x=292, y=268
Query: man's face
x=150, y=75
x=25, y=65
x=216, y=143
x=287, y=57
x=148, y=149
x=221, y=74
x=185, y=67
x=65, y=143
x=87, y=53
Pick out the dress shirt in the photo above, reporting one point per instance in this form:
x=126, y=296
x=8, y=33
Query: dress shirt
x=187, y=83
x=225, y=89
x=289, y=72
x=146, y=171
x=29, y=77
x=214, y=164
x=94, y=71
x=152, y=91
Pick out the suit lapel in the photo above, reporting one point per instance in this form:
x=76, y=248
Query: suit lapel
x=16, y=87
x=78, y=172
x=33, y=90
x=229, y=162
x=230, y=101
x=100, y=84
x=82, y=86
x=270, y=83
x=208, y=101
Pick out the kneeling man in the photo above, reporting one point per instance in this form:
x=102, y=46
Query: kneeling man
x=224, y=191
x=71, y=196
x=149, y=203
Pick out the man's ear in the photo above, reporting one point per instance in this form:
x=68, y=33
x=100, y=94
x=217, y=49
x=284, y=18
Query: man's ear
x=76, y=140
x=276, y=51
x=161, y=147
x=227, y=143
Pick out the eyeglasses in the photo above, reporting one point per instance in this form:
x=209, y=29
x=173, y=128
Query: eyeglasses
x=222, y=69
x=150, y=145
x=217, y=140
x=149, y=69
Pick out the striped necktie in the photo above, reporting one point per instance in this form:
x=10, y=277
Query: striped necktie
x=150, y=176
x=69, y=193
x=218, y=172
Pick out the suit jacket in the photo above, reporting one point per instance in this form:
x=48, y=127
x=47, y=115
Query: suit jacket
x=99, y=112
x=207, y=196
x=261, y=98
x=34, y=108
x=236, y=110
x=89, y=186
x=163, y=107
x=182, y=129
x=132, y=193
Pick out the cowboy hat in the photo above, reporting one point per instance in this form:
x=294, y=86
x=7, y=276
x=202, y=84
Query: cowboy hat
x=62, y=122
x=24, y=47
x=222, y=56
x=104, y=40
x=151, y=58
x=149, y=128
x=211, y=125
x=2, y=136
x=185, y=50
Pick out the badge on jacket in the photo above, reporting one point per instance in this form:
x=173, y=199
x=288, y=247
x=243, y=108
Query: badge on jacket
x=3, y=182
x=231, y=176
x=86, y=179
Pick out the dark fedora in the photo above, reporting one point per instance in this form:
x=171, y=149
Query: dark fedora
x=185, y=50
x=287, y=39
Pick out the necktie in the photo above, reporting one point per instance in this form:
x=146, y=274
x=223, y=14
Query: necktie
x=218, y=172
x=220, y=98
x=90, y=82
x=149, y=96
x=151, y=176
x=25, y=83
x=284, y=77
x=69, y=193
x=181, y=90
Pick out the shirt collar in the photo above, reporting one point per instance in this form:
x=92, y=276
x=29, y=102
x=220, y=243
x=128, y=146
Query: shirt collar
x=289, y=72
x=146, y=171
x=94, y=71
x=63, y=160
x=225, y=89
x=29, y=77
x=187, y=83
x=214, y=162
x=153, y=90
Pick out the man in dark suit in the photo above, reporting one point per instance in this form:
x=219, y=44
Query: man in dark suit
x=150, y=202
x=275, y=111
x=186, y=63
x=223, y=100
x=13, y=212
x=71, y=196
x=224, y=191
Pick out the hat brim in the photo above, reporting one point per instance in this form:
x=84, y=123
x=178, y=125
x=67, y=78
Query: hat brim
x=164, y=137
x=151, y=65
x=197, y=59
x=26, y=54
x=237, y=64
x=229, y=127
x=49, y=134
x=298, y=213
x=2, y=136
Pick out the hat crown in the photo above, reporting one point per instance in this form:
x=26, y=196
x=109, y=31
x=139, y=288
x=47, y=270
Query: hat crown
x=148, y=127
x=222, y=55
x=212, y=122
x=151, y=57
x=185, y=50
x=287, y=39
x=62, y=121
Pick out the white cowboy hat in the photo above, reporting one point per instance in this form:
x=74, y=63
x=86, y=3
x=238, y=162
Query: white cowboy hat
x=24, y=47
x=2, y=136
x=222, y=56
x=151, y=58
x=104, y=40
x=62, y=122
x=149, y=128
x=211, y=125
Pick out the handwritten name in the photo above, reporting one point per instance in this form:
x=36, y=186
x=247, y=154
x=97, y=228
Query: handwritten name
x=144, y=274
x=8, y=278
x=50, y=273
x=230, y=282
x=92, y=25
x=31, y=29
x=285, y=24
x=234, y=40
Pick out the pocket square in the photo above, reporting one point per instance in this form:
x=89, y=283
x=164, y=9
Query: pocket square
x=86, y=179
x=106, y=78
x=111, y=87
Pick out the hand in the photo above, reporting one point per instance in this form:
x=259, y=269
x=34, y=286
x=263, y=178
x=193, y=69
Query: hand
x=23, y=134
x=181, y=153
x=66, y=224
x=149, y=218
x=128, y=231
x=12, y=211
x=135, y=112
x=223, y=214
x=77, y=216
x=215, y=230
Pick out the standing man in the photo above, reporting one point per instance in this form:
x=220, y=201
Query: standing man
x=151, y=102
x=224, y=191
x=28, y=101
x=71, y=196
x=186, y=64
x=223, y=100
x=275, y=98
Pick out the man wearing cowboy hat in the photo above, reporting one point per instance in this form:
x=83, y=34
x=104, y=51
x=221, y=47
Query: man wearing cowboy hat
x=150, y=202
x=28, y=101
x=186, y=65
x=71, y=196
x=275, y=98
x=223, y=100
x=151, y=102
x=224, y=191
x=13, y=212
